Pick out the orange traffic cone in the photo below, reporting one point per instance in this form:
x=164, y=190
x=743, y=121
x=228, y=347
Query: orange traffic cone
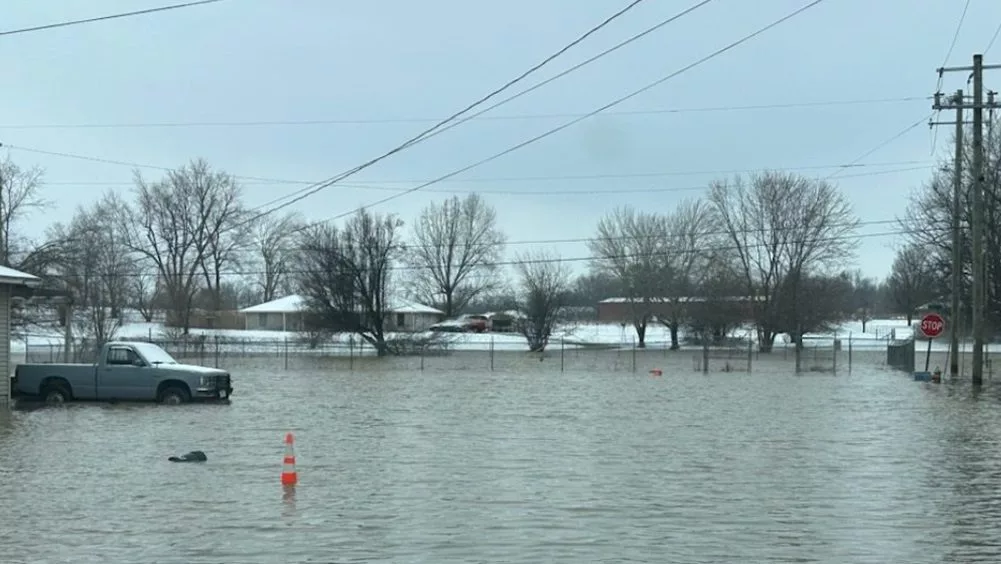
x=289, y=475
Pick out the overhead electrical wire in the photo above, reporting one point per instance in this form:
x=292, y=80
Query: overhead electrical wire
x=374, y=184
x=555, y=130
x=994, y=38
x=707, y=233
x=400, y=267
x=952, y=44
x=512, y=117
x=882, y=144
x=108, y=17
x=615, y=191
x=443, y=126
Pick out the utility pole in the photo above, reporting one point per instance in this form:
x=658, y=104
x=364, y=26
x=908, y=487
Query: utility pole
x=956, y=102
x=977, y=201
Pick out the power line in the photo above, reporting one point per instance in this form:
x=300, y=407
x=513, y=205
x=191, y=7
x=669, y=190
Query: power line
x=374, y=185
x=513, y=117
x=882, y=144
x=612, y=191
x=431, y=131
x=707, y=233
x=441, y=127
x=400, y=267
x=566, y=125
x=994, y=38
x=952, y=45
x=369, y=183
x=109, y=17
x=135, y=165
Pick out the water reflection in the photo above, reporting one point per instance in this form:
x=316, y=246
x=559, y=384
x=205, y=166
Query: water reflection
x=288, y=502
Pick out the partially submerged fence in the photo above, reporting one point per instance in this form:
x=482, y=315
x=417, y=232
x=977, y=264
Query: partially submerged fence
x=501, y=353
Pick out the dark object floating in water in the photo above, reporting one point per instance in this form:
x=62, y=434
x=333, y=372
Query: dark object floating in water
x=193, y=456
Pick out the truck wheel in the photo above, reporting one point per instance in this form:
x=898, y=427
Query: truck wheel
x=56, y=393
x=174, y=396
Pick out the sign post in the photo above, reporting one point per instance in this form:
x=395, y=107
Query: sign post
x=932, y=326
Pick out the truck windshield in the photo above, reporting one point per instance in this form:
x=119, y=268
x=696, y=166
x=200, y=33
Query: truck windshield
x=153, y=354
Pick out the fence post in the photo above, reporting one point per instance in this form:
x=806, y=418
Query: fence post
x=217, y=351
x=849, y=352
x=750, y=350
x=634, y=354
x=563, y=353
x=351, y=352
x=491, y=353
x=286, y=352
x=836, y=351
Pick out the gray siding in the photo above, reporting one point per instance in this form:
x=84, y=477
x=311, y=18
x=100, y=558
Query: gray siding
x=7, y=368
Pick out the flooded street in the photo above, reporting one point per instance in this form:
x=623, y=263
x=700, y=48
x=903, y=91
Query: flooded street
x=476, y=466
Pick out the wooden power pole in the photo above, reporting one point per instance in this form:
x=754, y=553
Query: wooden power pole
x=955, y=102
x=977, y=203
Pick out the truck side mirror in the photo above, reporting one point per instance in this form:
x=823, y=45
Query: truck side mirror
x=138, y=363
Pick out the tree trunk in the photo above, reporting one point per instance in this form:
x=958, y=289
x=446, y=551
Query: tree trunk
x=448, y=305
x=674, y=336
x=766, y=336
x=640, y=334
x=910, y=317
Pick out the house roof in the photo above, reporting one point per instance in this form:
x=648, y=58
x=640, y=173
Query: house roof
x=288, y=304
x=403, y=306
x=12, y=277
x=295, y=303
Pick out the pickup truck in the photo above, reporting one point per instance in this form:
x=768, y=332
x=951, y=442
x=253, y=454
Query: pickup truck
x=126, y=371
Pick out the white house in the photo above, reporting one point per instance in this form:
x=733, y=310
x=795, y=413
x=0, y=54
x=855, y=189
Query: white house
x=285, y=314
x=12, y=283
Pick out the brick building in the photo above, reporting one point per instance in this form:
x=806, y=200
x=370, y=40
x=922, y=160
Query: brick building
x=619, y=310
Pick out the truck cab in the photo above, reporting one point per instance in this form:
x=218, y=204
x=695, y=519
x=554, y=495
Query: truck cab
x=125, y=371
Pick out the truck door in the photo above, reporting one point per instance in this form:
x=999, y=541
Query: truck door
x=120, y=378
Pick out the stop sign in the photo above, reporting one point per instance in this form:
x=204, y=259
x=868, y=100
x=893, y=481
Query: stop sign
x=932, y=325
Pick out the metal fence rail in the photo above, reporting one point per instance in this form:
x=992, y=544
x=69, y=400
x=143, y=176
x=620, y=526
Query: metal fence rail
x=503, y=355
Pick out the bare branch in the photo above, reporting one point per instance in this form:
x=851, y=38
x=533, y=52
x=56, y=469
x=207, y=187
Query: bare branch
x=455, y=245
x=781, y=226
x=545, y=287
x=344, y=276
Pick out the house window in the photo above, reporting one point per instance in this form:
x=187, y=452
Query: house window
x=400, y=320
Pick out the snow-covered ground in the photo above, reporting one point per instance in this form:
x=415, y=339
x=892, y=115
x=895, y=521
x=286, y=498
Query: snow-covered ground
x=876, y=334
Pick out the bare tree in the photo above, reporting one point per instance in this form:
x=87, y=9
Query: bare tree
x=912, y=280
x=635, y=248
x=454, y=249
x=717, y=305
x=144, y=287
x=344, y=276
x=782, y=226
x=865, y=297
x=180, y=225
x=273, y=238
x=544, y=290
x=95, y=270
x=19, y=198
x=689, y=227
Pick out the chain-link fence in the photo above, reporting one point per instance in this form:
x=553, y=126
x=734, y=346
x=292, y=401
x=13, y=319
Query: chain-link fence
x=499, y=353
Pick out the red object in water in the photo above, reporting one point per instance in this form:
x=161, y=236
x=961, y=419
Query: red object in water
x=289, y=476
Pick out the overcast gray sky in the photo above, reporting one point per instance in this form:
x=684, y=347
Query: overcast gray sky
x=391, y=62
